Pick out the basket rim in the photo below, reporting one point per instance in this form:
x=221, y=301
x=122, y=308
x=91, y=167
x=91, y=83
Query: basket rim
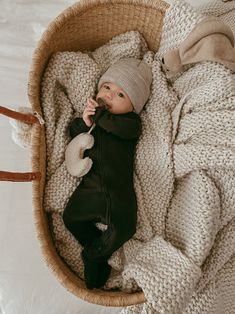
x=96, y=296
x=75, y=9
x=82, y=6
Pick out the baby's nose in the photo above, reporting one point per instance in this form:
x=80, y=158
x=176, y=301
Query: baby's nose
x=110, y=94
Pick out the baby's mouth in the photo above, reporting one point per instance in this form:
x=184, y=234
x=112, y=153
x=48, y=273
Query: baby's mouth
x=102, y=103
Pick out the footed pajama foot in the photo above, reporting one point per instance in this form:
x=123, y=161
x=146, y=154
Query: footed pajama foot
x=103, y=275
x=90, y=272
x=95, y=273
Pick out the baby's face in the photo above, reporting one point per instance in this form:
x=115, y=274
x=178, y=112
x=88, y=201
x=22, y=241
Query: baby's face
x=117, y=100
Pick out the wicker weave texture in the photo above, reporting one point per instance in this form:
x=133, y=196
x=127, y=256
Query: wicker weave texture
x=86, y=25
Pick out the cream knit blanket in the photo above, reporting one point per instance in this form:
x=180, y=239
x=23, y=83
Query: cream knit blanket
x=183, y=253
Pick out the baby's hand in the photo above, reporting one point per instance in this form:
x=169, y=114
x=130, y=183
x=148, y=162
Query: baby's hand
x=89, y=111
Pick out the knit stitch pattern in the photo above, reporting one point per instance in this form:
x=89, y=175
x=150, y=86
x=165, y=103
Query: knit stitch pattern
x=201, y=217
x=183, y=253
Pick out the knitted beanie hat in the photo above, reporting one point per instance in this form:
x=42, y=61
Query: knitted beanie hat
x=132, y=75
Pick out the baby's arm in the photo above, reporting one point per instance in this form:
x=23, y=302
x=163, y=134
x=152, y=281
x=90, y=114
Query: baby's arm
x=89, y=111
x=80, y=125
x=126, y=126
x=77, y=126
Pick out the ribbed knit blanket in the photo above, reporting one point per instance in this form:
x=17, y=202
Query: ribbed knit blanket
x=183, y=253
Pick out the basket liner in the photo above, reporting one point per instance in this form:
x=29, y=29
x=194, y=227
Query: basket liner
x=195, y=233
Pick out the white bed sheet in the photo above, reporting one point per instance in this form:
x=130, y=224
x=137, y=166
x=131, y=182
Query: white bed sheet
x=26, y=284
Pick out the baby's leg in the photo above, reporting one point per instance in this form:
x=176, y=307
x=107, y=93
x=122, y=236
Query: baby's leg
x=121, y=228
x=96, y=255
x=81, y=214
x=85, y=232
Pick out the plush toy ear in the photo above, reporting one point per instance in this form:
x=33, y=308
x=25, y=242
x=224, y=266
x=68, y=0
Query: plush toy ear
x=74, y=161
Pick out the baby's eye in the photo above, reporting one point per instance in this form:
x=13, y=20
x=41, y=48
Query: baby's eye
x=106, y=87
x=121, y=95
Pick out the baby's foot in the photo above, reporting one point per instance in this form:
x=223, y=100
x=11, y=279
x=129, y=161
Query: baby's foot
x=95, y=273
x=91, y=270
x=103, y=274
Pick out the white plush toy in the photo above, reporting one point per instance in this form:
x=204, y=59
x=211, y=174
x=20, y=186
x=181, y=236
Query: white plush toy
x=74, y=161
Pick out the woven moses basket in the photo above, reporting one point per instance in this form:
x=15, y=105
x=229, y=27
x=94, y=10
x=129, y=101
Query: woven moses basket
x=86, y=25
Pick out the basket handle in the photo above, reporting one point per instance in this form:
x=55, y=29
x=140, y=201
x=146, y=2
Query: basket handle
x=27, y=118
x=20, y=176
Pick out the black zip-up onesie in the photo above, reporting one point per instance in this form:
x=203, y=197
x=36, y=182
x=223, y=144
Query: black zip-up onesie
x=106, y=193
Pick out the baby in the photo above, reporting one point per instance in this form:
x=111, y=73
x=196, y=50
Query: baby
x=106, y=193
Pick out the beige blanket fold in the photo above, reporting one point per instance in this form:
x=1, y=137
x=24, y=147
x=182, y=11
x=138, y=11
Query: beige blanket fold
x=183, y=253
x=210, y=40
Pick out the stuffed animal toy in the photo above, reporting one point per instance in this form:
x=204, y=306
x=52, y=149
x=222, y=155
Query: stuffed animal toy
x=74, y=153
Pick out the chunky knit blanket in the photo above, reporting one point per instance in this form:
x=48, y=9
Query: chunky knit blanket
x=183, y=253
